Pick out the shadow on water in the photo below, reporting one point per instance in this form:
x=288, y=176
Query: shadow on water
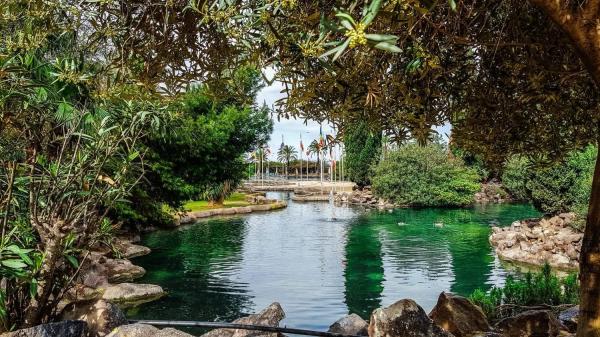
x=321, y=261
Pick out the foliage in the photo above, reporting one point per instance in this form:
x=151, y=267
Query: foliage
x=79, y=96
x=203, y=156
x=362, y=149
x=286, y=154
x=425, y=176
x=556, y=188
x=474, y=161
x=533, y=289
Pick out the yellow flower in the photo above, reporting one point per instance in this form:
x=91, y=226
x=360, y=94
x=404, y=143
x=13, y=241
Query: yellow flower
x=357, y=35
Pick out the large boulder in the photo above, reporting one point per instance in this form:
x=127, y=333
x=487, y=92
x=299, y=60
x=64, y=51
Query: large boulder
x=458, y=315
x=101, y=316
x=534, y=323
x=62, y=329
x=129, y=250
x=144, y=330
x=569, y=317
x=404, y=318
x=132, y=294
x=121, y=270
x=270, y=316
x=350, y=325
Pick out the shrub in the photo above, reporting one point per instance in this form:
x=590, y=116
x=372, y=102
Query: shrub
x=425, y=176
x=561, y=187
x=533, y=289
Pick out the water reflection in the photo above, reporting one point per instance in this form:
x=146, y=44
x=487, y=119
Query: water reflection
x=364, y=273
x=197, y=266
x=321, y=261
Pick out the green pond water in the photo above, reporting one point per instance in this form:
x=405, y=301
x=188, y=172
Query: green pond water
x=321, y=261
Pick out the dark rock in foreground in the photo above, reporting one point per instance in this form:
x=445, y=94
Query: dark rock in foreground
x=144, y=330
x=101, y=316
x=569, y=317
x=458, y=315
x=270, y=316
x=350, y=325
x=404, y=318
x=538, y=323
x=62, y=329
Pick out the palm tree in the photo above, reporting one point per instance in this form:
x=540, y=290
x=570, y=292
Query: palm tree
x=314, y=147
x=286, y=154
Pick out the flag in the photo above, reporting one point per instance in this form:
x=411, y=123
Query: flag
x=333, y=164
x=321, y=140
x=301, y=145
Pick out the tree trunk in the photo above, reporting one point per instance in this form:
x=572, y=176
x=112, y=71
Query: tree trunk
x=589, y=265
x=581, y=25
x=36, y=312
x=218, y=202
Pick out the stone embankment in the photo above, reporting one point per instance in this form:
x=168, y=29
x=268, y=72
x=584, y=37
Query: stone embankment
x=537, y=241
x=453, y=316
x=258, y=204
x=363, y=197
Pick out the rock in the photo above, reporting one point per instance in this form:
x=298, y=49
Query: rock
x=62, y=329
x=131, y=294
x=121, y=270
x=567, y=217
x=134, y=330
x=269, y=316
x=144, y=330
x=556, y=221
x=101, y=316
x=538, y=323
x=404, y=318
x=350, y=325
x=569, y=317
x=458, y=315
x=129, y=250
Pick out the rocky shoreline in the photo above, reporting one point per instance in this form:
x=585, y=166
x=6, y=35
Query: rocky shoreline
x=364, y=197
x=453, y=316
x=537, y=241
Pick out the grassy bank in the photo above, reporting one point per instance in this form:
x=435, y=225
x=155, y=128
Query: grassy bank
x=234, y=200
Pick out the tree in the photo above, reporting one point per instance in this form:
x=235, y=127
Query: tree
x=315, y=148
x=286, y=154
x=203, y=157
x=363, y=148
x=82, y=85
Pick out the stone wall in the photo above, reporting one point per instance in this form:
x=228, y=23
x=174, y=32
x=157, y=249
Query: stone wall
x=536, y=241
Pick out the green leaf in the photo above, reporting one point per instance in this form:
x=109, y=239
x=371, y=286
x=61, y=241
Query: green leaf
x=388, y=47
x=452, y=4
x=72, y=260
x=342, y=49
x=371, y=12
x=381, y=37
x=33, y=288
x=346, y=17
x=13, y=263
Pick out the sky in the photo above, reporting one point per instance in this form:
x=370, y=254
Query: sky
x=291, y=129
